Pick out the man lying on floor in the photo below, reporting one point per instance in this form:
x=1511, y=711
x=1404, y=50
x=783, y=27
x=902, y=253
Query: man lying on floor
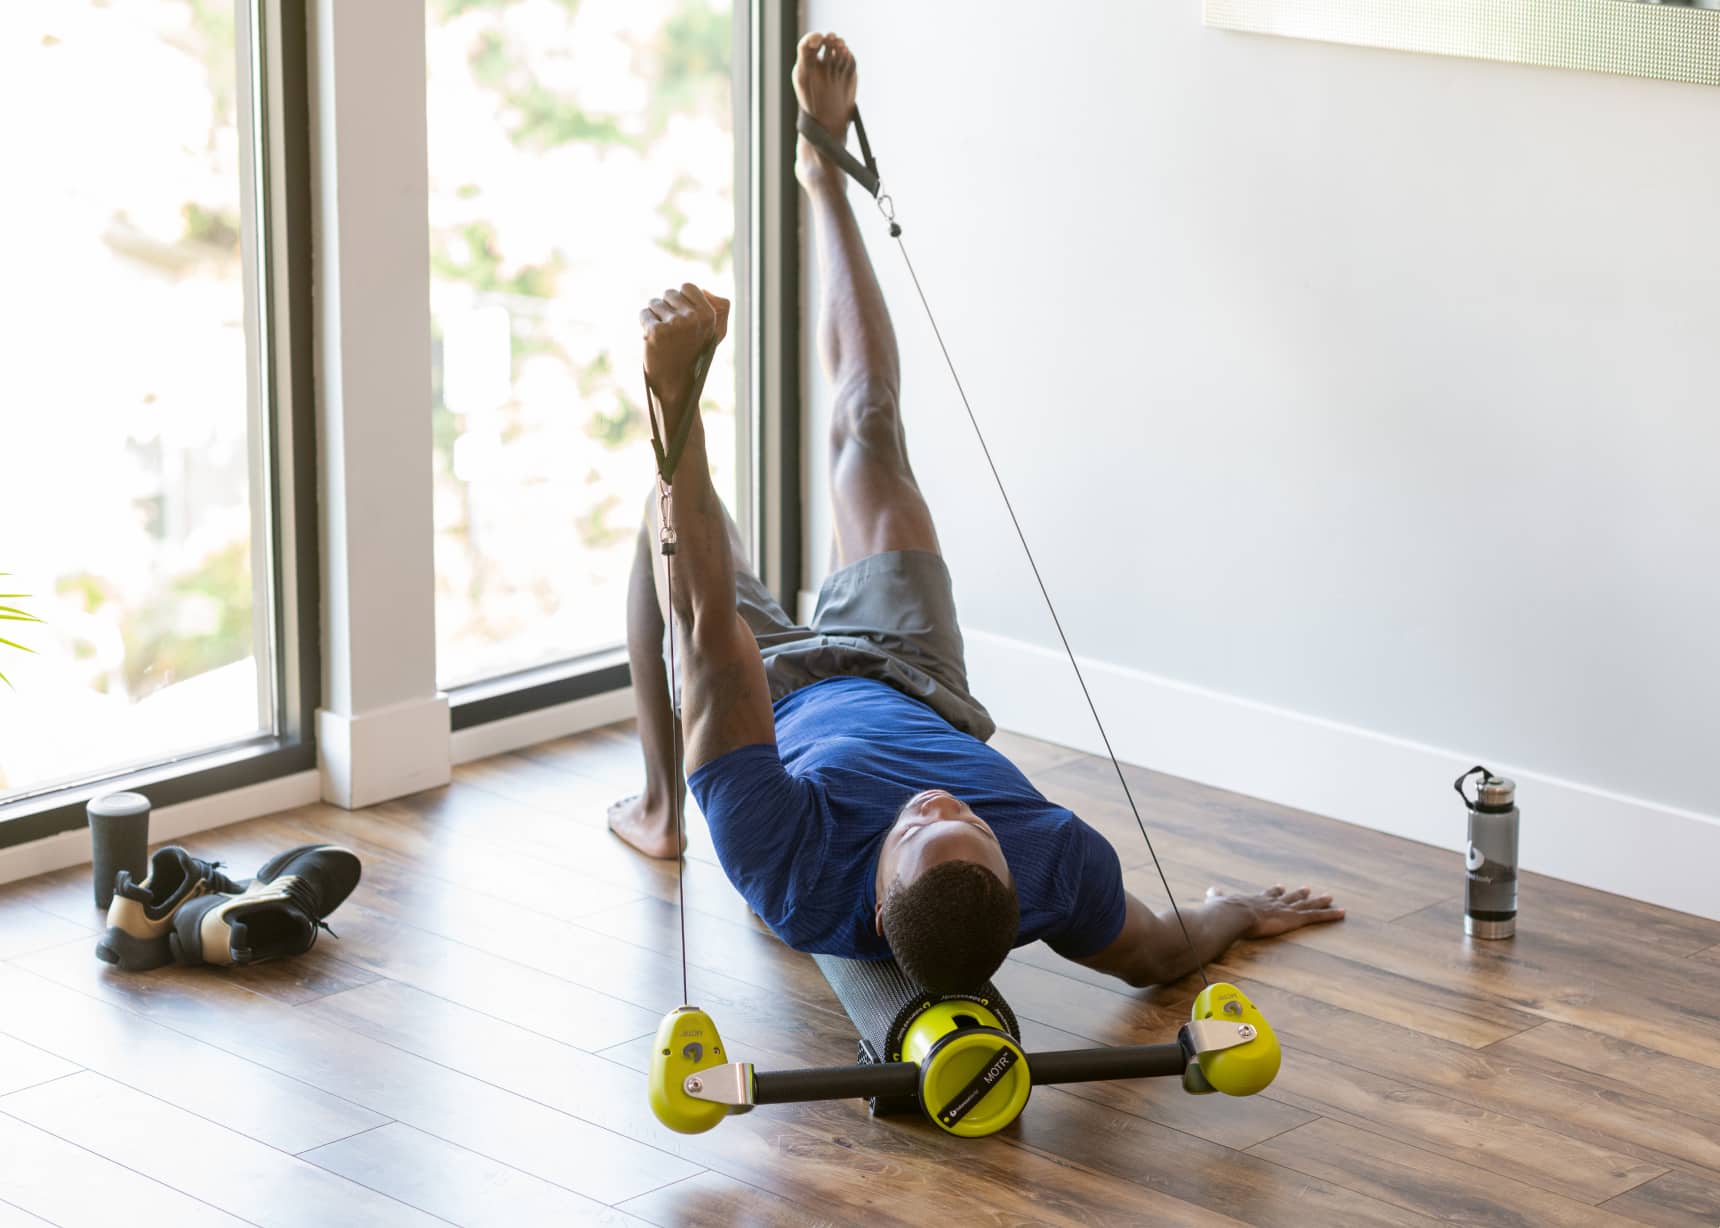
x=842, y=766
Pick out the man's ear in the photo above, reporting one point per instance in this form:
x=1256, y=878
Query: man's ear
x=878, y=919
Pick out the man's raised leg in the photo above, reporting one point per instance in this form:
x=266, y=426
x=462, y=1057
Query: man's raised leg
x=878, y=505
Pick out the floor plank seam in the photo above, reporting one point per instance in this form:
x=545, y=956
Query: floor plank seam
x=1280, y=1134
x=595, y=873
x=489, y=954
x=409, y=865
x=512, y=1168
x=191, y=1036
x=1499, y=1040
x=603, y=1055
x=508, y=1091
x=1404, y=916
x=355, y=969
x=5, y=1202
x=149, y=1177
x=26, y=1087
x=224, y=1127
x=658, y=1189
x=777, y=990
x=1075, y=1166
x=1469, y=999
x=335, y=1142
x=798, y=1203
x=1146, y=1182
x=461, y=1006
x=1379, y=1130
x=1391, y=1197
x=1535, y=1064
x=1069, y=1090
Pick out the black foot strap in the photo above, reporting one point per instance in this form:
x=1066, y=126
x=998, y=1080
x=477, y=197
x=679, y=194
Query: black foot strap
x=863, y=173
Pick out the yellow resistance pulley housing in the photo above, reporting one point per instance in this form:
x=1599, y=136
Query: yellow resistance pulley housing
x=687, y=1042
x=1245, y=1069
x=974, y=1078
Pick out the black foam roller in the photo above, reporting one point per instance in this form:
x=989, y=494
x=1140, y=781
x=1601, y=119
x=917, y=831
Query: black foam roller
x=872, y=992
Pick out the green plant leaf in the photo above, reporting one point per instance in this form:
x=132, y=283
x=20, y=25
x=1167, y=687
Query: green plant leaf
x=15, y=615
x=19, y=647
x=8, y=682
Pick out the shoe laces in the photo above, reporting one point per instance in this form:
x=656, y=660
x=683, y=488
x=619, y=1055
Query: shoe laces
x=214, y=880
x=308, y=898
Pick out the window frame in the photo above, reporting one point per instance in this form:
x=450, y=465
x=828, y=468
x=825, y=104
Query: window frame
x=274, y=82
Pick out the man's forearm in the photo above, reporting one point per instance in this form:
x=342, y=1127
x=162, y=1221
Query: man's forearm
x=1151, y=950
x=1213, y=928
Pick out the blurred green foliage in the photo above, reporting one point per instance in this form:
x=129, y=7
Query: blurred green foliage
x=197, y=621
x=688, y=64
x=201, y=618
x=14, y=614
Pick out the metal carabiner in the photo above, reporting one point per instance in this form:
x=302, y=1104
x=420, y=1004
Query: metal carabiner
x=887, y=207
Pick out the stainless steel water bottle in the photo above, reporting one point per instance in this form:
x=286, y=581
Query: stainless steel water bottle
x=1490, y=896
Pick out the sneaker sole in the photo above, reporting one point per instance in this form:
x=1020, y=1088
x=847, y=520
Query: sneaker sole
x=134, y=954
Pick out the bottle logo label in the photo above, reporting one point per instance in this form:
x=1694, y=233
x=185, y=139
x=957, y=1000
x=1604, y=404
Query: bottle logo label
x=1475, y=860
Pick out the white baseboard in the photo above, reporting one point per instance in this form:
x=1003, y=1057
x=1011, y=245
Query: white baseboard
x=383, y=754
x=1630, y=846
x=72, y=848
x=529, y=728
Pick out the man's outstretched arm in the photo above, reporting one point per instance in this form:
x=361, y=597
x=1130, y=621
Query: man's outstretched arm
x=725, y=701
x=1151, y=949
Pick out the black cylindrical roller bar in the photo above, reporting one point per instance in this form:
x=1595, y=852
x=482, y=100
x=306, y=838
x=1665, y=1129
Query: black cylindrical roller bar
x=836, y=1083
x=1122, y=1062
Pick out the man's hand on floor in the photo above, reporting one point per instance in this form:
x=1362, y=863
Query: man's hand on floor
x=1277, y=911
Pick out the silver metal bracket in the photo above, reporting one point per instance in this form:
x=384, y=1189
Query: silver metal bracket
x=731, y=1085
x=1213, y=1035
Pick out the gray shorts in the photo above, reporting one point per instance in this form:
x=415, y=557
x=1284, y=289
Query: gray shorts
x=889, y=616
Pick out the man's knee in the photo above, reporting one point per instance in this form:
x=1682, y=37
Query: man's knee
x=866, y=419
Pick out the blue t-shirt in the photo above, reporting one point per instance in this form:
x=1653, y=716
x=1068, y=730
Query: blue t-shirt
x=798, y=825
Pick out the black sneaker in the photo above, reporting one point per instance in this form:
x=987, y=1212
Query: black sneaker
x=140, y=919
x=278, y=915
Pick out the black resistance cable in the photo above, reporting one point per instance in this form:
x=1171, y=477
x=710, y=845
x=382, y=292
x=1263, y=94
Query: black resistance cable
x=896, y=233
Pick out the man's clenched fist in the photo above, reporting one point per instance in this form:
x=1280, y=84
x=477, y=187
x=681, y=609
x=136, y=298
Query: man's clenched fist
x=677, y=327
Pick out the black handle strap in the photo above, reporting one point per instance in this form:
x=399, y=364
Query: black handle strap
x=669, y=452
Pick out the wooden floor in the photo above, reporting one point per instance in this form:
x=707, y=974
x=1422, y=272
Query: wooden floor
x=470, y=1049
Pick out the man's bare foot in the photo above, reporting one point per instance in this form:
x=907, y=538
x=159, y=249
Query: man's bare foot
x=824, y=83
x=648, y=827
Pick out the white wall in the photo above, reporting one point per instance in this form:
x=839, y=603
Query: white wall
x=1361, y=408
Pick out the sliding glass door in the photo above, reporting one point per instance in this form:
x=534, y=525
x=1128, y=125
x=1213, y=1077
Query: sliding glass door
x=140, y=467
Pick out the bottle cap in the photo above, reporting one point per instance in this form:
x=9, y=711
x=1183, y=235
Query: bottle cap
x=1495, y=793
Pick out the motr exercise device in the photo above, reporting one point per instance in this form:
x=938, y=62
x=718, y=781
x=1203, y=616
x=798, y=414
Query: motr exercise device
x=955, y=1057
